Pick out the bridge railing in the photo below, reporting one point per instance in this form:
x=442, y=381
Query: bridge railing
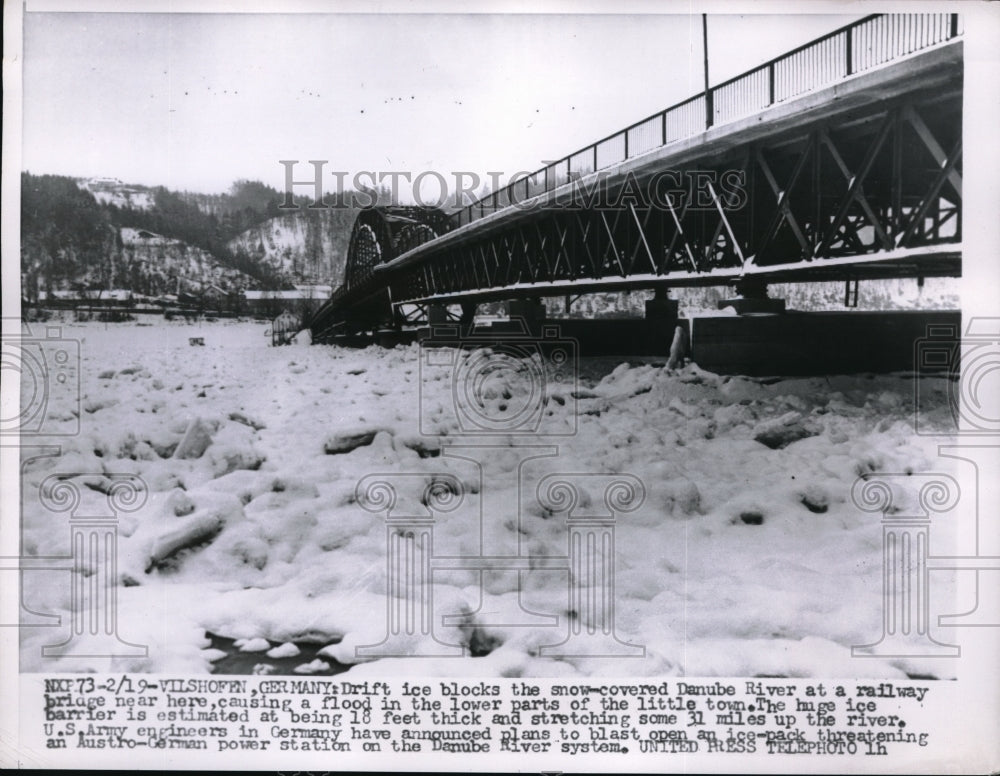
x=862, y=45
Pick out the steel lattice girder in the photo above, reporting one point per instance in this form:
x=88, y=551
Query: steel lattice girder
x=885, y=180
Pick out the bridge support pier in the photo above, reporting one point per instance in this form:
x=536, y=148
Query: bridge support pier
x=467, y=321
x=813, y=343
x=531, y=311
x=752, y=298
x=468, y=313
x=661, y=307
x=437, y=313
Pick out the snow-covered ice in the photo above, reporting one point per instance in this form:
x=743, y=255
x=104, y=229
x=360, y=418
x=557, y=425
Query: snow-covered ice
x=746, y=557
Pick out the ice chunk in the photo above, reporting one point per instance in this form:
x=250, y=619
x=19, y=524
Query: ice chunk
x=195, y=441
x=815, y=498
x=315, y=667
x=288, y=649
x=246, y=420
x=348, y=440
x=193, y=531
x=678, y=496
x=781, y=432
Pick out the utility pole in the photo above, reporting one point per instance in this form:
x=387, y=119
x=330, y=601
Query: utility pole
x=709, y=108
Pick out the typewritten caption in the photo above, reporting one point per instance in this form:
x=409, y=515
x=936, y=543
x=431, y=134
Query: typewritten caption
x=263, y=714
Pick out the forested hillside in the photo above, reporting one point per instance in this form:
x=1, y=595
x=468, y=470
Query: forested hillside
x=102, y=233
x=72, y=241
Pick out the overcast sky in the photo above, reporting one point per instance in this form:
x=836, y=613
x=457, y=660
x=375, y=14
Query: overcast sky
x=196, y=101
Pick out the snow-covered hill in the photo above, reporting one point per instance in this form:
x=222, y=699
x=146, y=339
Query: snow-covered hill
x=305, y=246
x=152, y=264
x=111, y=191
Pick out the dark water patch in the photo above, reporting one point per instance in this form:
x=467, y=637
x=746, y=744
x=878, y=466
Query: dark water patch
x=481, y=643
x=248, y=663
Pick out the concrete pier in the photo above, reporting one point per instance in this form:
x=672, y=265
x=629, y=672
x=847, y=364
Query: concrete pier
x=797, y=343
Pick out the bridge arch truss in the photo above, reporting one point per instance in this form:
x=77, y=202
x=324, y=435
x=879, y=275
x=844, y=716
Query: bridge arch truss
x=379, y=235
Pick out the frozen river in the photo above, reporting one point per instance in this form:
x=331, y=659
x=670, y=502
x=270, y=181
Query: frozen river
x=741, y=554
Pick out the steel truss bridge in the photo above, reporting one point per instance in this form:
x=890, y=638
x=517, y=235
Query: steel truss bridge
x=840, y=160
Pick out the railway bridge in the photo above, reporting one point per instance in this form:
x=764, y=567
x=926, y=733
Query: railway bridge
x=840, y=160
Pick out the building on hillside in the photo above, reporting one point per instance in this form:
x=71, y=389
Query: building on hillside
x=102, y=183
x=133, y=236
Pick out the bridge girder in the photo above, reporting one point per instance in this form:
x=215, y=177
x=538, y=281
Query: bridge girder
x=885, y=184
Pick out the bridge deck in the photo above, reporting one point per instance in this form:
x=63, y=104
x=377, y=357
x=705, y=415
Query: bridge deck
x=936, y=71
